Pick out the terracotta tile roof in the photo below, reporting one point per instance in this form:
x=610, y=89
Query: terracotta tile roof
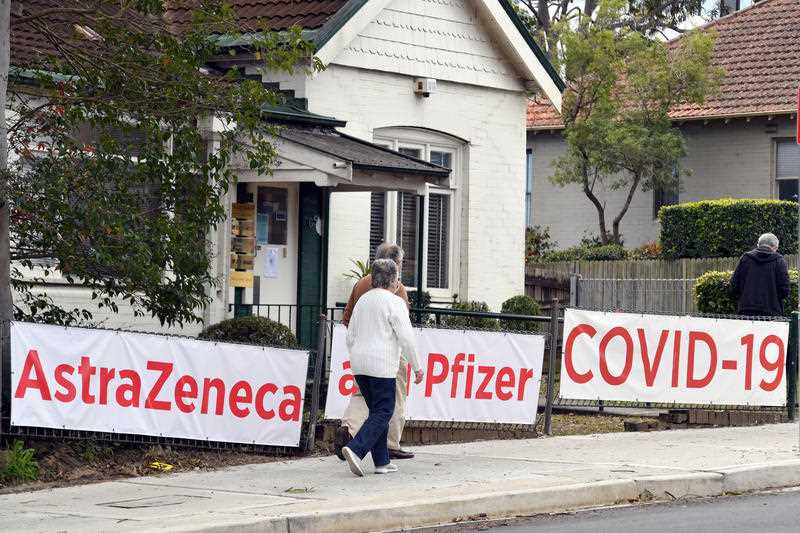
x=542, y=115
x=276, y=14
x=30, y=48
x=759, y=48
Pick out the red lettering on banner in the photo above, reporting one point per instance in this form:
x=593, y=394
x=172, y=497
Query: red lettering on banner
x=435, y=379
x=568, y=364
x=747, y=341
x=236, y=398
x=626, y=370
x=458, y=367
x=32, y=364
x=219, y=386
x=470, y=376
x=487, y=372
x=62, y=381
x=691, y=381
x=524, y=375
x=267, y=388
x=772, y=366
x=106, y=375
x=182, y=394
x=347, y=384
x=676, y=359
x=165, y=369
x=86, y=371
x=505, y=379
x=134, y=388
x=651, y=369
x=408, y=379
x=290, y=408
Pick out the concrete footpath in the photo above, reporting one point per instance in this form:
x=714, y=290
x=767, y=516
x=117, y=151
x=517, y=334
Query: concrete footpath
x=445, y=483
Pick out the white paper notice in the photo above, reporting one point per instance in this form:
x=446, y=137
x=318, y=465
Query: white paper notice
x=271, y=263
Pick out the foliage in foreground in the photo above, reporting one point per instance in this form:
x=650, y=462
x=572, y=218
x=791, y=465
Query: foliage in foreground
x=116, y=181
x=251, y=330
x=20, y=464
x=712, y=294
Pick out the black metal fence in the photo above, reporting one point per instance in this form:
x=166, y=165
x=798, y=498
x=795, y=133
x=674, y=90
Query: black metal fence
x=549, y=325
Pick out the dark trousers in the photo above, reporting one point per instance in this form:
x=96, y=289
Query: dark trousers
x=379, y=395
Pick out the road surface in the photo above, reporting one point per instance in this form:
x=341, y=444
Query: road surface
x=777, y=512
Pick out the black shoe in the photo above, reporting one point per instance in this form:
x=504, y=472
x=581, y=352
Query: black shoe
x=400, y=454
x=340, y=440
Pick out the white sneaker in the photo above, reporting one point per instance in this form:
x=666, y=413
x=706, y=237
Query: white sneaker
x=353, y=461
x=386, y=469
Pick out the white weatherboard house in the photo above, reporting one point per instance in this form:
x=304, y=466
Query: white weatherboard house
x=421, y=102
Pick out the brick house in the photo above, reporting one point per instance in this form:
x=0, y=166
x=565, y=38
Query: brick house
x=740, y=144
x=365, y=155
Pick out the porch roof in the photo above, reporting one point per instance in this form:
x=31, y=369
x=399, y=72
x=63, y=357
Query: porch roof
x=361, y=154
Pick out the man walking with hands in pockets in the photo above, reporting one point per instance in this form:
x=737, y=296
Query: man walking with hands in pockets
x=379, y=329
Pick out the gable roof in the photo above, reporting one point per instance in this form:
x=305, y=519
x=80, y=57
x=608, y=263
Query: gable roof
x=758, y=49
x=323, y=19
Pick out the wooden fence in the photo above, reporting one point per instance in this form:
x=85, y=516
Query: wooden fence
x=641, y=286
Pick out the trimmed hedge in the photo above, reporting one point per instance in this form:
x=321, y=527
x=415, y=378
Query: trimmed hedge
x=520, y=305
x=725, y=228
x=606, y=252
x=470, y=322
x=712, y=293
x=251, y=330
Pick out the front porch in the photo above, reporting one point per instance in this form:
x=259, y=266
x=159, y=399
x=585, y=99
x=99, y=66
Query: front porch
x=279, y=263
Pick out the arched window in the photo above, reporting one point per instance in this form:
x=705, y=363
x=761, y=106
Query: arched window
x=394, y=216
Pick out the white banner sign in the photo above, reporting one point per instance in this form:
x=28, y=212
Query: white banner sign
x=98, y=380
x=470, y=376
x=651, y=358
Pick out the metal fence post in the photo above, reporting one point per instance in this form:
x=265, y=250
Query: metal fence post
x=791, y=367
x=551, y=367
x=317, y=382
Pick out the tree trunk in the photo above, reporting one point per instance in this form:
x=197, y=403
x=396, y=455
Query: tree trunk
x=618, y=219
x=6, y=302
x=601, y=210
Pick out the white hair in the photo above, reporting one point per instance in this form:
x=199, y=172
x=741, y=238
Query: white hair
x=384, y=273
x=769, y=240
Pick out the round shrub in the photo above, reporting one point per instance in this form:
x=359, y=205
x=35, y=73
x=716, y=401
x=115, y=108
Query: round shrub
x=251, y=330
x=520, y=305
x=470, y=322
x=712, y=294
x=725, y=228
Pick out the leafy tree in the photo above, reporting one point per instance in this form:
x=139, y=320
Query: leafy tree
x=544, y=18
x=616, y=109
x=125, y=154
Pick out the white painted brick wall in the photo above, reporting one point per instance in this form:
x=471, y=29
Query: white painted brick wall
x=727, y=160
x=492, y=208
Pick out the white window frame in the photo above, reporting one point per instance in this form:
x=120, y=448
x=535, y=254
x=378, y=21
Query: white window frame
x=775, y=178
x=427, y=141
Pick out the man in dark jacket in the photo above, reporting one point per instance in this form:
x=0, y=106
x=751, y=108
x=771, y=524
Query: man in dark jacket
x=761, y=280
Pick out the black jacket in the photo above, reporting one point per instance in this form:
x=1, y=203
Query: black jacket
x=761, y=282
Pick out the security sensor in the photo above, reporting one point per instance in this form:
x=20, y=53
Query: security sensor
x=424, y=86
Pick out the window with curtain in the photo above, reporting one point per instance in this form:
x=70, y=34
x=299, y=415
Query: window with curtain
x=787, y=169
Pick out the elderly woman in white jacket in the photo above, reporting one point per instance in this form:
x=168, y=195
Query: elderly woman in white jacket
x=379, y=329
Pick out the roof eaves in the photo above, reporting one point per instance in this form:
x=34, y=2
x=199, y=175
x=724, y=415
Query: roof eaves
x=336, y=22
x=433, y=167
x=440, y=172
x=300, y=116
x=537, y=51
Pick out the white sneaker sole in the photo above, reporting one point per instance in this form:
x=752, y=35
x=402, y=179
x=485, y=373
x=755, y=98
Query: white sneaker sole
x=353, y=461
x=380, y=470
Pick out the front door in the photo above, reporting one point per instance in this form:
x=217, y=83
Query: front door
x=276, y=251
